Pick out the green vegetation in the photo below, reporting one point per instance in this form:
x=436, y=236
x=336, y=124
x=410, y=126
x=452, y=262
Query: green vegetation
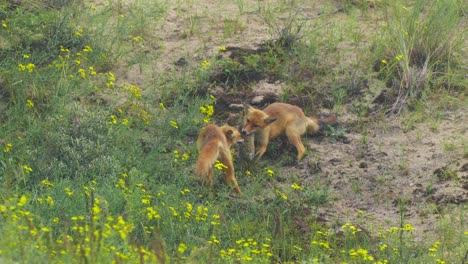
x=96, y=169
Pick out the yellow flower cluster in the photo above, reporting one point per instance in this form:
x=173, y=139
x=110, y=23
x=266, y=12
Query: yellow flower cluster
x=145, y=117
x=152, y=213
x=49, y=200
x=321, y=239
x=282, y=195
x=248, y=250
x=68, y=191
x=122, y=227
x=202, y=213
x=270, y=172
x=297, y=187
x=134, y=90
x=47, y=183
x=7, y=147
x=351, y=229
x=361, y=253
x=208, y=111
x=30, y=103
x=184, y=157
x=220, y=166
x=213, y=240
x=205, y=65
x=182, y=248
x=110, y=79
x=136, y=39
x=27, y=169
x=174, y=124
x=29, y=67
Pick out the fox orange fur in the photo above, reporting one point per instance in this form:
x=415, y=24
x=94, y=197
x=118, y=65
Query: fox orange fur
x=281, y=119
x=214, y=143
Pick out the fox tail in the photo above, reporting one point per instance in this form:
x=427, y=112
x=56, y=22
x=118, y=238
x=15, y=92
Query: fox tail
x=327, y=119
x=318, y=123
x=206, y=160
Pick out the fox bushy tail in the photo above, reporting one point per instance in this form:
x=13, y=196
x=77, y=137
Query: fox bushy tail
x=206, y=160
x=316, y=124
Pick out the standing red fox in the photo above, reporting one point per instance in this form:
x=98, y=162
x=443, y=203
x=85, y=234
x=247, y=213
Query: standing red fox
x=214, y=143
x=280, y=119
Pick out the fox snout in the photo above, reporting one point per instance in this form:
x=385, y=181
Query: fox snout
x=246, y=133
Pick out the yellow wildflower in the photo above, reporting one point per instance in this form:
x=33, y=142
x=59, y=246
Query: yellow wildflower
x=270, y=172
x=47, y=183
x=182, y=248
x=297, y=187
x=30, y=103
x=82, y=73
x=30, y=67
x=63, y=49
x=87, y=49
x=205, y=65
x=408, y=227
x=79, y=33
x=282, y=195
x=50, y=201
x=92, y=71
x=219, y=165
x=113, y=120
x=68, y=191
x=152, y=214
x=174, y=124
x=213, y=240
x=27, y=169
x=435, y=247
x=383, y=247
x=7, y=147
x=22, y=201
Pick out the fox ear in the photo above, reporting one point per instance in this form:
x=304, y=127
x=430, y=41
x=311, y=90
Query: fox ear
x=269, y=120
x=229, y=133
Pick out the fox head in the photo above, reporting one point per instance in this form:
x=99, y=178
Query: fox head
x=232, y=134
x=255, y=119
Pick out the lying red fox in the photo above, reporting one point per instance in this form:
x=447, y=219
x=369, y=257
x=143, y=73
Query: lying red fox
x=280, y=119
x=214, y=143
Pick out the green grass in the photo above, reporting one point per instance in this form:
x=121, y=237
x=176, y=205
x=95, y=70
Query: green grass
x=94, y=169
x=420, y=46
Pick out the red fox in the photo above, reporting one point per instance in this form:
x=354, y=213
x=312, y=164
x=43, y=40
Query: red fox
x=214, y=143
x=281, y=119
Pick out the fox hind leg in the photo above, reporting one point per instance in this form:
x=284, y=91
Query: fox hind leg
x=209, y=178
x=229, y=175
x=295, y=139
